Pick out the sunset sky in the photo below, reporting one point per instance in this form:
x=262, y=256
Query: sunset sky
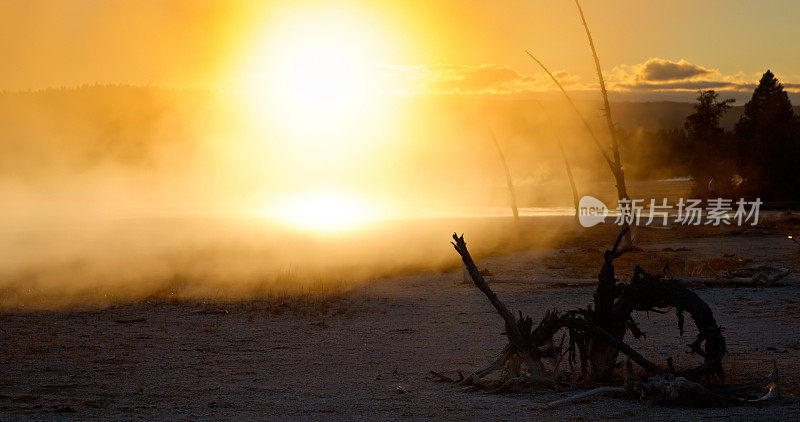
x=442, y=47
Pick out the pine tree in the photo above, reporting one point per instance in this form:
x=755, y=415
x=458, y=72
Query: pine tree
x=703, y=124
x=708, y=156
x=768, y=138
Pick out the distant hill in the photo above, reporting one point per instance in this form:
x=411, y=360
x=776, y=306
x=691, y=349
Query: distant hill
x=48, y=133
x=666, y=114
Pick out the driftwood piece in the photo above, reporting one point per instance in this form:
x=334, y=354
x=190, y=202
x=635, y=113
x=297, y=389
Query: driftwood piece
x=675, y=390
x=527, y=341
x=597, y=336
x=513, y=331
x=647, y=292
x=585, y=394
x=602, y=356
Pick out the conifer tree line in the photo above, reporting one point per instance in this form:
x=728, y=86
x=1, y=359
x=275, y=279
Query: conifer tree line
x=759, y=158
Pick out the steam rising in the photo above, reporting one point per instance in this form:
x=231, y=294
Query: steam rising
x=117, y=193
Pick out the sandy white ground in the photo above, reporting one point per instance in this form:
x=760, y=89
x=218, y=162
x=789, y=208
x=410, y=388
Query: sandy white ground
x=346, y=359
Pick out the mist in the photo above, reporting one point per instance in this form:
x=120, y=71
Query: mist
x=122, y=193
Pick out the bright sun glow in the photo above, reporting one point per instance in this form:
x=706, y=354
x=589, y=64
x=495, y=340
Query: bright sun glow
x=323, y=211
x=312, y=78
x=311, y=83
x=320, y=78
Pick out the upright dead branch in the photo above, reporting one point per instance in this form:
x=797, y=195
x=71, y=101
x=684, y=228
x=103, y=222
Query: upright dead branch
x=509, y=181
x=577, y=111
x=606, y=106
x=575, y=198
x=573, y=186
x=616, y=166
x=614, y=161
x=602, y=356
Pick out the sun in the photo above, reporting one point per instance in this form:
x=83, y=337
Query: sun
x=312, y=79
x=312, y=83
x=320, y=78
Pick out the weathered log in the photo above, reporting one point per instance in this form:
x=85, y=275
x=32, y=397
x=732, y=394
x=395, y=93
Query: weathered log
x=647, y=292
x=585, y=394
x=523, y=339
x=602, y=355
x=597, y=335
x=515, y=337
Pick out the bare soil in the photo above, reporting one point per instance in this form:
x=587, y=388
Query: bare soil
x=366, y=355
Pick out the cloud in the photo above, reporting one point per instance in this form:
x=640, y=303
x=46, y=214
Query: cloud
x=653, y=75
x=658, y=74
x=660, y=70
x=475, y=80
x=657, y=70
x=686, y=86
x=789, y=86
x=482, y=79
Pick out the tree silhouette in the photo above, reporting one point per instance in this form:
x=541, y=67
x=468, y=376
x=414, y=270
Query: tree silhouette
x=768, y=137
x=703, y=124
x=709, y=155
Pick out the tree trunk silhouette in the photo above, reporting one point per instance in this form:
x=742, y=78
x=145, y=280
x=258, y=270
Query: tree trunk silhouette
x=614, y=161
x=616, y=165
x=509, y=181
x=575, y=198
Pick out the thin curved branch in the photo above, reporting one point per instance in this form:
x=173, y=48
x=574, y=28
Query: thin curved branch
x=509, y=181
x=577, y=111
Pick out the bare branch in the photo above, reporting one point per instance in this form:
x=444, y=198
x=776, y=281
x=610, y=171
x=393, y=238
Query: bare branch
x=509, y=181
x=582, y=395
x=577, y=111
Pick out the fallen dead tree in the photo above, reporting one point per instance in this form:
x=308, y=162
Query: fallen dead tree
x=594, y=338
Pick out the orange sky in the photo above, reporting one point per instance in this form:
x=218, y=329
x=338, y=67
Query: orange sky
x=445, y=46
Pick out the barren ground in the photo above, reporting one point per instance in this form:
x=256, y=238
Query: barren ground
x=345, y=357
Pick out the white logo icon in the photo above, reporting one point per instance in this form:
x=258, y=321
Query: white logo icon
x=591, y=211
